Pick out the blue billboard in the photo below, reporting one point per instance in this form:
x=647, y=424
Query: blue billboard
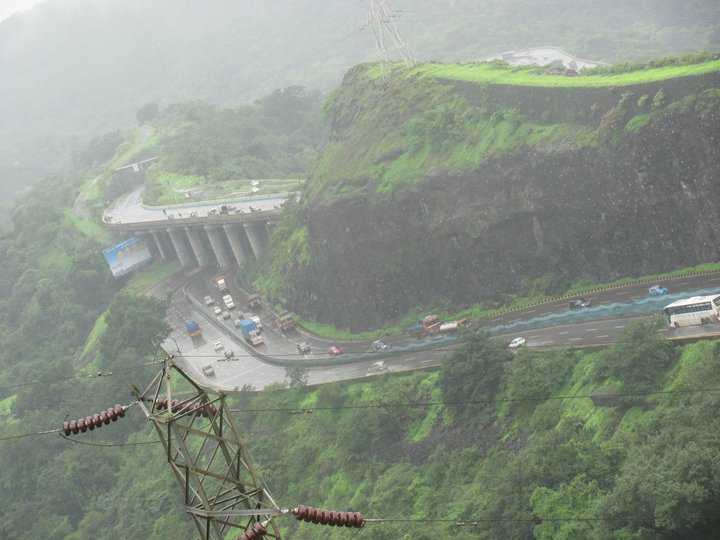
x=127, y=256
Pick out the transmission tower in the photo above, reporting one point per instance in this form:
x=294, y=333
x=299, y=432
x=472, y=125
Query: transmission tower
x=209, y=460
x=388, y=39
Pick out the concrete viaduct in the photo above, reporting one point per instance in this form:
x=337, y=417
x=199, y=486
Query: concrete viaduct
x=205, y=234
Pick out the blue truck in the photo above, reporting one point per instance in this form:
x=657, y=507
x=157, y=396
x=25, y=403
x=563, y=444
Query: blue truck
x=250, y=332
x=193, y=329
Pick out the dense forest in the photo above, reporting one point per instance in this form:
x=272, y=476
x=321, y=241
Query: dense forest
x=60, y=89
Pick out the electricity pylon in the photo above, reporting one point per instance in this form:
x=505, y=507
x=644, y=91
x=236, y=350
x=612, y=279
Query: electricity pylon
x=209, y=459
x=388, y=40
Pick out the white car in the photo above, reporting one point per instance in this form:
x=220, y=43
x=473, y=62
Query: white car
x=218, y=346
x=517, y=342
x=377, y=368
x=209, y=300
x=217, y=310
x=228, y=301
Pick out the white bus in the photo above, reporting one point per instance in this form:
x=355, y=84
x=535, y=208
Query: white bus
x=693, y=311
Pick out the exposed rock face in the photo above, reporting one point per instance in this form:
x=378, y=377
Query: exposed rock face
x=647, y=202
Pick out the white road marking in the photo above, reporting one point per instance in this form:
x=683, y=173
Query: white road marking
x=592, y=330
x=575, y=339
x=603, y=336
x=620, y=326
x=563, y=333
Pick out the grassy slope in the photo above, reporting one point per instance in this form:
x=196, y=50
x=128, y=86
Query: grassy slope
x=491, y=73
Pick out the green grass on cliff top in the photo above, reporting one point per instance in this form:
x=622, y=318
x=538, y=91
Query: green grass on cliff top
x=492, y=73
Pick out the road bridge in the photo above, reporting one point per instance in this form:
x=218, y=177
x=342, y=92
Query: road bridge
x=208, y=234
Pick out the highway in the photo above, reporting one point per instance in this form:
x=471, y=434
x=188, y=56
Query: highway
x=542, y=329
x=129, y=209
x=545, y=326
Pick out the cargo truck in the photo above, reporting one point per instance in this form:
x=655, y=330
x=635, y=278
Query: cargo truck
x=228, y=301
x=285, y=322
x=193, y=329
x=250, y=332
x=221, y=284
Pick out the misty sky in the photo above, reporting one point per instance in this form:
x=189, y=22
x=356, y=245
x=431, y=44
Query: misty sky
x=8, y=7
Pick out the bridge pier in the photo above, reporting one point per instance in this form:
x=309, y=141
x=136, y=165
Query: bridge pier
x=233, y=233
x=197, y=246
x=216, y=242
x=177, y=237
x=257, y=236
x=159, y=244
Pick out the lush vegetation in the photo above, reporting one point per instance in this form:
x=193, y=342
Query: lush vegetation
x=207, y=151
x=232, y=53
x=498, y=73
x=61, y=324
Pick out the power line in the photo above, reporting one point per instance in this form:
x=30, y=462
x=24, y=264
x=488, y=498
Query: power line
x=107, y=445
x=422, y=404
x=99, y=375
x=31, y=434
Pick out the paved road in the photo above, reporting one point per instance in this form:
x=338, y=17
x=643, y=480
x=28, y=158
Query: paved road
x=232, y=375
x=129, y=209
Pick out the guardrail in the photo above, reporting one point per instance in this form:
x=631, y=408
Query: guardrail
x=594, y=290
x=345, y=359
x=220, y=201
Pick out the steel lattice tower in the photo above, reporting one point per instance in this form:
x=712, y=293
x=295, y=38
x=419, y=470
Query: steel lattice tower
x=209, y=459
x=388, y=39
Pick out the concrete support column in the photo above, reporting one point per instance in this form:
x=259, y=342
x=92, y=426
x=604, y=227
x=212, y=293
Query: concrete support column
x=176, y=237
x=214, y=235
x=198, y=247
x=256, y=235
x=233, y=233
x=160, y=247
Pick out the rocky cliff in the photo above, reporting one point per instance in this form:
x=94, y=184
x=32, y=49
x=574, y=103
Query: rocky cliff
x=430, y=194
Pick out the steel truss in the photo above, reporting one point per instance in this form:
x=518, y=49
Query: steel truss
x=209, y=459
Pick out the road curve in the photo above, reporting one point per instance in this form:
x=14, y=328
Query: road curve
x=129, y=209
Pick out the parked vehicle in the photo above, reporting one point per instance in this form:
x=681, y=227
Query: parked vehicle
x=192, y=328
x=209, y=300
x=229, y=354
x=335, y=350
x=304, y=348
x=579, y=303
x=254, y=301
x=251, y=333
x=285, y=322
x=218, y=346
x=228, y=301
x=379, y=346
x=217, y=310
x=517, y=342
x=657, y=290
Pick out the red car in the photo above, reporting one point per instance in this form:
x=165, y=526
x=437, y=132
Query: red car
x=335, y=351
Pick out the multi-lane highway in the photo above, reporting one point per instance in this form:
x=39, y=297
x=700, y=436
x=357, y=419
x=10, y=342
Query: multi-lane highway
x=547, y=326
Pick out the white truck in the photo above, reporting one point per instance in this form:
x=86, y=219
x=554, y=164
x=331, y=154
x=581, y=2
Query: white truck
x=228, y=301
